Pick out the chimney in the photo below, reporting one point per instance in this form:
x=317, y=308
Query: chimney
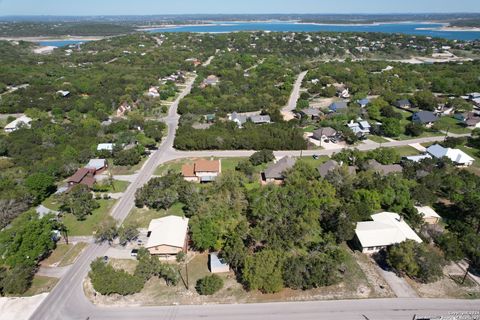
x=400, y=219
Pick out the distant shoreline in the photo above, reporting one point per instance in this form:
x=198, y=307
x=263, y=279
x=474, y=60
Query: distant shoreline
x=453, y=29
x=52, y=38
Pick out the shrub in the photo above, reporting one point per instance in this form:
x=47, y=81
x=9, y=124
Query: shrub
x=209, y=285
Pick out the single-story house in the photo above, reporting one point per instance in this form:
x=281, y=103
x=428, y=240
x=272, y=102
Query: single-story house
x=63, y=93
x=167, y=236
x=429, y=215
x=97, y=165
x=217, y=265
x=23, y=121
x=403, y=104
x=383, y=169
x=312, y=113
x=260, y=119
x=470, y=119
x=83, y=176
x=338, y=106
x=202, y=170
x=418, y=158
x=275, y=172
x=426, y=118
x=239, y=119
x=331, y=165
x=153, y=92
x=386, y=229
x=457, y=156
x=105, y=147
x=123, y=108
x=363, y=102
x=324, y=133
x=211, y=80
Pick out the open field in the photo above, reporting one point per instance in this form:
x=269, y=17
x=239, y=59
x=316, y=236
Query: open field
x=57, y=255
x=87, y=226
x=142, y=217
x=40, y=284
x=126, y=170
x=70, y=257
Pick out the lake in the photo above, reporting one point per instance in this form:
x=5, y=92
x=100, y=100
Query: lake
x=414, y=28
x=60, y=43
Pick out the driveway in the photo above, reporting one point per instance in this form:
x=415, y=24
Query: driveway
x=399, y=286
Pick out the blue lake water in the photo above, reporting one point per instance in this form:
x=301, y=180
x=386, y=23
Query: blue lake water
x=405, y=28
x=60, y=43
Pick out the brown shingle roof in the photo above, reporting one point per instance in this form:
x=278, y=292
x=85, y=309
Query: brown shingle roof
x=88, y=181
x=188, y=170
x=79, y=175
x=207, y=166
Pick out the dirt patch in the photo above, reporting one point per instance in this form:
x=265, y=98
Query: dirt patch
x=379, y=285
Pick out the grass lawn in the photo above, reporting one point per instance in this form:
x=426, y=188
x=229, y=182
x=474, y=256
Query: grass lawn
x=57, y=254
x=315, y=162
x=118, y=186
x=377, y=139
x=51, y=203
x=87, y=226
x=309, y=128
x=142, y=217
x=40, y=284
x=228, y=164
x=127, y=170
x=72, y=255
x=452, y=125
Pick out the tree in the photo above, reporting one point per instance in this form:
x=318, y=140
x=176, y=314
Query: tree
x=127, y=233
x=40, y=185
x=107, y=230
x=106, y=280
x=79, y=202
x=127, y=158
x=209, y=285
x=414, y=129
x=260, y=157
x=401, y=257
x=384, y=155
x=425, y=100
x=392, y=127
x=263, y=271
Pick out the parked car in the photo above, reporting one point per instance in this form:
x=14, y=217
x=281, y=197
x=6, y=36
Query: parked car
x=134, y=252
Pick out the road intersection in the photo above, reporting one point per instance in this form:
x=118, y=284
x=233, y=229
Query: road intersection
x=67, y=300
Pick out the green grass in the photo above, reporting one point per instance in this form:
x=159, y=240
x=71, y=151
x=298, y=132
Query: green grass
x=52, y=203
x=228, y=164
x=87, y=226
x=57, y=255
x=452, y=125
x=118, y=186
x=309, y=128
x=315, y=162
x=197, y=269
x=377, y=139
x=72, y=255
x=40, y=284
x=142, y=217
x=128, y=170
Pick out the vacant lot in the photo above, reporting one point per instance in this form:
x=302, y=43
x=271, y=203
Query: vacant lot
x=87, y=226
x=40, y=284
x=142, y=217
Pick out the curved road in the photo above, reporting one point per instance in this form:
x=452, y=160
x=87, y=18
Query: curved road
x=67, y=299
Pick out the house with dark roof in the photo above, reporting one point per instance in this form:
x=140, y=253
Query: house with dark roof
x=403, y=104
x=426, y=118
x=275, y=172
x=85, y=176
x=311, y=113
x=338, y=106
x=324, y=133
x=331, y=165
x=202, y=170
x=382, y=169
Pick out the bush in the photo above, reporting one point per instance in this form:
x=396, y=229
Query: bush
x=261, y=157
x=209, y=285
x=106, y=280
x=127, y=158
x=414, y=129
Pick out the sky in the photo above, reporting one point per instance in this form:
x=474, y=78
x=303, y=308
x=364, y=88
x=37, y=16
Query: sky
x=152, y=7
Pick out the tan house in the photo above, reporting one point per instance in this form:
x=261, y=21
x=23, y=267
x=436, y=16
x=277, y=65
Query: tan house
x=167, y=236
x=202, y=170
x=428, y=214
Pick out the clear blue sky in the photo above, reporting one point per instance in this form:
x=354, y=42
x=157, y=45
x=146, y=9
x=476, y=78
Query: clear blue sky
x=149, y=7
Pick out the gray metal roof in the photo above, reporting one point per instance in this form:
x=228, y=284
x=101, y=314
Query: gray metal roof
x=276, y=170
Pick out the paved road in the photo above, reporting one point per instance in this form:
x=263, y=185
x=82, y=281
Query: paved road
x=295, y=95
x=67, y=300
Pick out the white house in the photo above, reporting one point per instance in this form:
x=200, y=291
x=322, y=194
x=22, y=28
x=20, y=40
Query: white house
x=428, y=214
x=167, y=236
x=105, y=147
x=386, y=229
x=153, y=92
x=23, y=121
x=457, y=156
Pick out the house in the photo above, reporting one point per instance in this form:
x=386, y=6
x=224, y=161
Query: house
x=426, y=118
x=457, y=156
x=338, y=106
x=363, y=102
x=403, y=104
x=386, y=229
x=167, y=236
x=429, y=215
x=275, y=172
x=123, y=109
x=105, y=147
x=331, y=165
x=210, y=118
x=260, y=119
x=217, y=265
x=16, y=124
x=153, y=92
x=211, y=80
x=324, y=133
x=360, y=128
x=97, y=165
x=383, y=169
x=63, y=93
x=202, y=170
x=342, y=91
x=470, y=119
x=238, y=119
x=311, y=113
x=83, y=176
